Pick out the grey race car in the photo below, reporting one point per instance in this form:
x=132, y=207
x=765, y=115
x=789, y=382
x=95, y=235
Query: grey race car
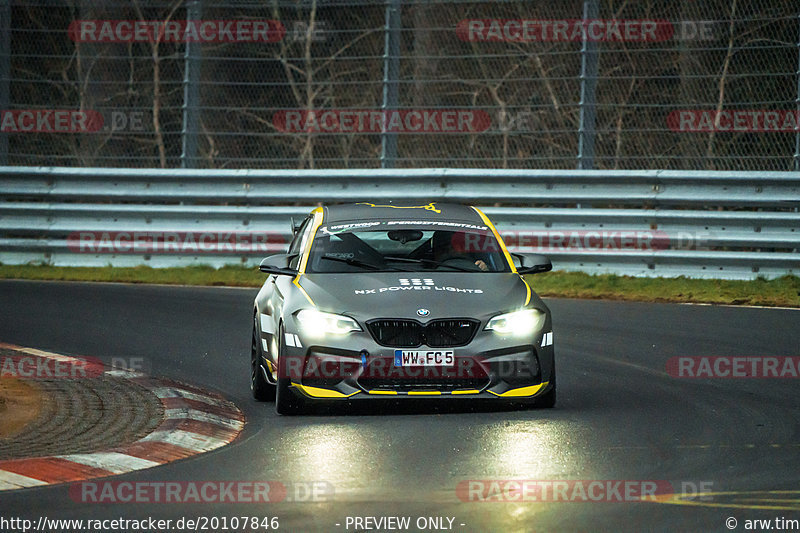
x=400, y=301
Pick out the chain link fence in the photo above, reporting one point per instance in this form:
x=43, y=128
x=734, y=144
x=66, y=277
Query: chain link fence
x=611, y=84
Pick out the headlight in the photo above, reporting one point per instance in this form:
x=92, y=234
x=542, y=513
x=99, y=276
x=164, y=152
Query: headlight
x=518, y=323
x=317, y=323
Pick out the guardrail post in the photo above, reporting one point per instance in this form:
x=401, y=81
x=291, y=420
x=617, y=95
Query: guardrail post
x=588, y=112
x=191, y=92
x=391, y=73
x=5, y=70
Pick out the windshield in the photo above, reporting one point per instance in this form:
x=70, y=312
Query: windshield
x=407, y=249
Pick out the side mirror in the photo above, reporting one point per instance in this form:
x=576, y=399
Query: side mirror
x=532, y=263
x=277, y=264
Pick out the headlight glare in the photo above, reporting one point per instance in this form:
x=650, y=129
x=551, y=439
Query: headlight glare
x=517, y=323
x=318, y=323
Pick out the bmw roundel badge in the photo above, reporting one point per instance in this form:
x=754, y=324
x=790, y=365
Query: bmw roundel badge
x=423, y=312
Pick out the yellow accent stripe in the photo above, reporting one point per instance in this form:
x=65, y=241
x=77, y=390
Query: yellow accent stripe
x=384, y=392
x=316, y=392
x=528, y=294
x=522, y=391
x=307, y=246
x=424, y=393
x=505, y=252
x=306, y=249
x=296, y=281
x=499, y=239
x=466, y=391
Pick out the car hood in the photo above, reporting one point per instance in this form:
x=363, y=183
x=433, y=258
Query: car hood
x=402, y=294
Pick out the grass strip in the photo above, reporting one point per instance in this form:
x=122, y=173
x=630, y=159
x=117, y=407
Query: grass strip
x=782, y=292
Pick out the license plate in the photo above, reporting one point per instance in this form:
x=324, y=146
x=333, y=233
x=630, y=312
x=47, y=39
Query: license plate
x=424, y=358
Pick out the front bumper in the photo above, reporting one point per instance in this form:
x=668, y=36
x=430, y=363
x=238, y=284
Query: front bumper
x=355, y=367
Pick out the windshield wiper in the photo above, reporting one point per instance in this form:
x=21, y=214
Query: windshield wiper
x=428, y=262
x=359, y=263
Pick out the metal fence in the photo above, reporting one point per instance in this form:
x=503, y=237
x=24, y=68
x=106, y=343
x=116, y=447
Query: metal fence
x=649, y=84
x=736, y=225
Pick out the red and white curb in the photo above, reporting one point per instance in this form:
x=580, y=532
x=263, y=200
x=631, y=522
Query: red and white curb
x=195, y=421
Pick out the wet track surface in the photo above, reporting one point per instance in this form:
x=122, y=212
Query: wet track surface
x=620, y=416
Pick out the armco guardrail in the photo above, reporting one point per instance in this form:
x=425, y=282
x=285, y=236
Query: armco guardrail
x=736, y=225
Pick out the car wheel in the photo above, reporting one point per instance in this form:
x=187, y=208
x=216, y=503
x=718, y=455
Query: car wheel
x=548, y=400
x=286, y=401
x=262, y=390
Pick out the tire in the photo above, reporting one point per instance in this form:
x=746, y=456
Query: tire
x=286, y=401
x=548, y=400
x=262, y=390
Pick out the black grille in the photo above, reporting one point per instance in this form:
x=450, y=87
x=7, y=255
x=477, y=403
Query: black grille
x=400, y=333
x=442, y=333
x=447, y=333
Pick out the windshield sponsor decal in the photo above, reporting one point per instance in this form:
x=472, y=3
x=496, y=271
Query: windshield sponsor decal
x=417, y=284
x=435, y=223
x=355, y=226
x=342, y=228
x=340, y=255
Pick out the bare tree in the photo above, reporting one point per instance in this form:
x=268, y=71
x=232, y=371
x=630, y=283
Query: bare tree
x=157, y=91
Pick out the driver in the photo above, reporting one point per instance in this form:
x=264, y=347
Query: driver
x=443, y=250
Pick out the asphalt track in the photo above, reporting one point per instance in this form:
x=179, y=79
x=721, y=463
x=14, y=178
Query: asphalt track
x=620, y=417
